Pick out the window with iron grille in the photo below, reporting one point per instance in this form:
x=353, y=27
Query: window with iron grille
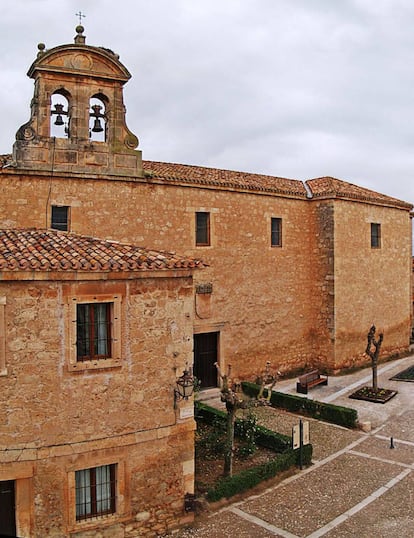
x=202, y=228
x=95, y=491
x=60, y=217
x=375, y=235
x=276, y=232
x=93, y=331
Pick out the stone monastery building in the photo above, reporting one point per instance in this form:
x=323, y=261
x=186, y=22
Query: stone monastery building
x=99, y=316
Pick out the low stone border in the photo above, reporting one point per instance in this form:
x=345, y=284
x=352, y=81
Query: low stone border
x=369, y=395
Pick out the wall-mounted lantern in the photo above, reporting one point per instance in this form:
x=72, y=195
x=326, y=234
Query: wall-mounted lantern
x=185, y=387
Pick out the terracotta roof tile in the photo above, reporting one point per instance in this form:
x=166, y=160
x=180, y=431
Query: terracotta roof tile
x=52, y=250
x=323, y=187
x=331, y=187
x=223, y=178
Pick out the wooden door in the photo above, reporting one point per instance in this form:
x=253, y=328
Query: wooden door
x=205, y=355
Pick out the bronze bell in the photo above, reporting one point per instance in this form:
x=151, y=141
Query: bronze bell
x=97, y=127
x=58, y=111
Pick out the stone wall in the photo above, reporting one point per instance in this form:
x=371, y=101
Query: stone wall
x=372, y=285
x=283, y=304
x=55, y=421
x=261, y=304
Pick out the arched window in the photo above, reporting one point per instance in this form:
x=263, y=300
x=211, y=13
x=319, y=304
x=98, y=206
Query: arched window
x=97, y=119
x=59, y=115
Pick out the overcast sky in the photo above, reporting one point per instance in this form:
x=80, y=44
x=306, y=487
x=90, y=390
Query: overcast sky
x=292, y=88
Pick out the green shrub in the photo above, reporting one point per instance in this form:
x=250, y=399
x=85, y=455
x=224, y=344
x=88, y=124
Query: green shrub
x=247, y=433
x=343, y=416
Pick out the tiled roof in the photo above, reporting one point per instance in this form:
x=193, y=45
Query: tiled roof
x=223, y=178
x=323, y=187
x=328, y=187
x=51, y=250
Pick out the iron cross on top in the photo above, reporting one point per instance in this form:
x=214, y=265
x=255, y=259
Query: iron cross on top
x=80, y=15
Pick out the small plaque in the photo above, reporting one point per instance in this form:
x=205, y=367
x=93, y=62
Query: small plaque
x=186, y=412
x=296, y=437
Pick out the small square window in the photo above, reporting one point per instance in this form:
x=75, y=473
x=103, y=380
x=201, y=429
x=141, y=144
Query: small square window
x=60, y=218
x=375, y=235
x=95, y=491
x=202, y=228
x=93, y=331
x=276, y=232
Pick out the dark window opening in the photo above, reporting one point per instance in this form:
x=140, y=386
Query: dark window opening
x=202, y=228
x=95, y=491
x=375, y=235
x=276, y=232
x=93, y=331
x=7, y=508
x=60, y=218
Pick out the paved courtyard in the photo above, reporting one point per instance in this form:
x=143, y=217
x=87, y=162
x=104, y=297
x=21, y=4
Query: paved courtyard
x=358, y=486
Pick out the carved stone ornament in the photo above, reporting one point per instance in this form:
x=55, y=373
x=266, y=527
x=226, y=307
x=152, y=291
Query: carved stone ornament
x=131, y=141
x=204, y=289
x=25, y=132
x=81, y=61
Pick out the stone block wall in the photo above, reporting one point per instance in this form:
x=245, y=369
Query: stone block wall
x=55, y=421
x=283, y=304
x=261, y=303
x=372, y=285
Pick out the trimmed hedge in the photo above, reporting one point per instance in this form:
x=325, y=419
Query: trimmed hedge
x=227, y=487
x=240, y=482
x=343, y=416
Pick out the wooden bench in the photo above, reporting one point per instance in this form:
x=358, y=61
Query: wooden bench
x=309, y=380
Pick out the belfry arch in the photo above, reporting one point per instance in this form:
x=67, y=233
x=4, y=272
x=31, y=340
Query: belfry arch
x=77, y=121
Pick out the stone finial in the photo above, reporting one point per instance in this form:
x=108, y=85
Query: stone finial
x=80, y=38
x=41, y=48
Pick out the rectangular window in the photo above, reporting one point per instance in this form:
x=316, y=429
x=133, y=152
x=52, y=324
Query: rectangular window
x=276, y=232
x=93, y=331
x=375, y=235
x=202, y=228
x=60, y=218
x=95, y=491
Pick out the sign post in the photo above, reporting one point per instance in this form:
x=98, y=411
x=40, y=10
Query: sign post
x=300, y=437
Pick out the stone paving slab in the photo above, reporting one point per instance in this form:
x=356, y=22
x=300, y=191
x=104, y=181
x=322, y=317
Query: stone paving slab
x=226, y=524
x=305, y=504
x=380, y=448
x=391, y=515
x=400, y=426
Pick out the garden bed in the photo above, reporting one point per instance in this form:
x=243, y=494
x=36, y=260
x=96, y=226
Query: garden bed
x=271, y=455
x=405, y=375
x=209, y=464
x=375, y=396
